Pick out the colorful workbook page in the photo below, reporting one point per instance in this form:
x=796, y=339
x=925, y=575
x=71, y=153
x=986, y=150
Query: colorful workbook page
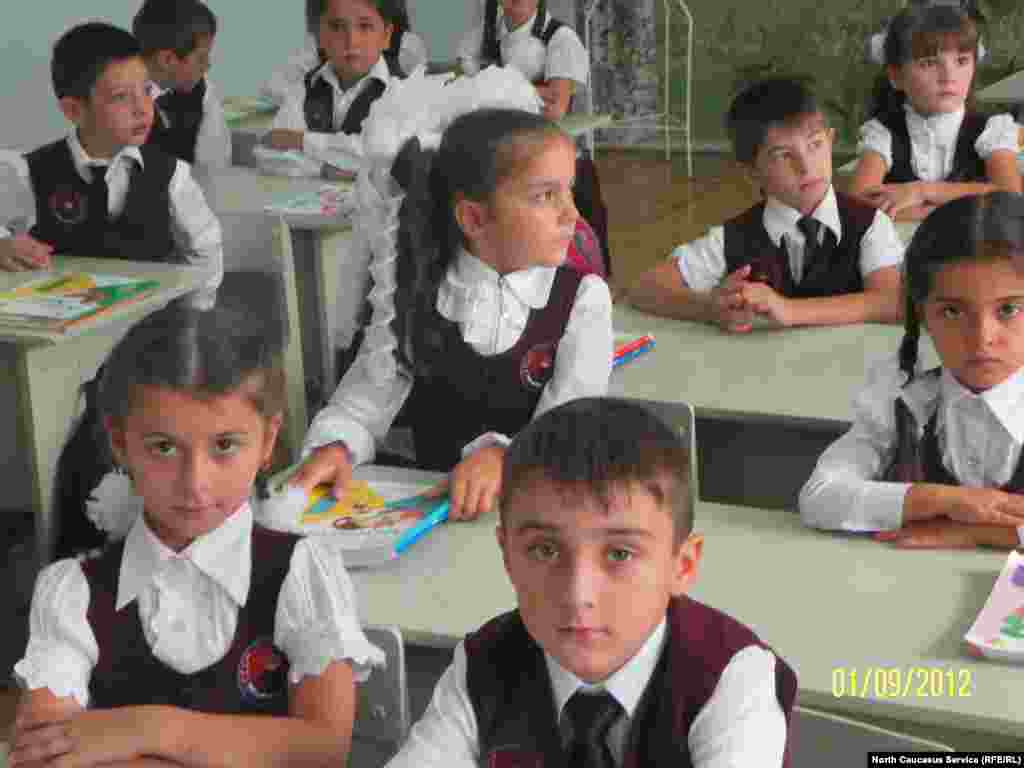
x=332, y=201
x=998, y=632
x=58, y=302
x=238, y=108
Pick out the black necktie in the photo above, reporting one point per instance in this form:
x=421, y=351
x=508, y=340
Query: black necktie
x=591, y=715
x=811, y=228
x=98, y=194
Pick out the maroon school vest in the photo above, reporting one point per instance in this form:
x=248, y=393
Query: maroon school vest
x=251, y=678
x=833, y=272
x=470, y=394
x=318, y=106
x=967, y=164
x=177, y=121
x=509, y=687
x=68, y=220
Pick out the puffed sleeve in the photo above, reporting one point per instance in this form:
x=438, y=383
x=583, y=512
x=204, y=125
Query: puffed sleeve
x=876, y=137
x=1001, y=132
x=62, y=650
x=567, y=58
x=316, y=620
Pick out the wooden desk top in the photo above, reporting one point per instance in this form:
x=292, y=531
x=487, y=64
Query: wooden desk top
x=829, y=604
x=792, y=374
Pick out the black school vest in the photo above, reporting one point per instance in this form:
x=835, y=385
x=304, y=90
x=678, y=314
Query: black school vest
x=318, y=108
x=493, y=56
x=748, y=242
x=66, y=220
x=967, y=164
x=176, y=122
x=470, y=394
x=251, y=678
x=510, y=690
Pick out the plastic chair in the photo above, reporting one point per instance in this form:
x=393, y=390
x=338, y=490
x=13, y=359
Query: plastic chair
x=259, y=279
x=382, y=711
x=820, y=738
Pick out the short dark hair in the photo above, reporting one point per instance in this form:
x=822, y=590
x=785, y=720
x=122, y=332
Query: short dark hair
x=83, y=53
x=763, y=105
x=599, y=445
x=176, y=25
x=392, y=11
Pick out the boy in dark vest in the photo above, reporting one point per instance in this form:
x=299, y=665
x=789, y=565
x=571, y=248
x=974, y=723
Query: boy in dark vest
x=101, y=191
x=605, y=663
x=805, y=255
x=177, y=38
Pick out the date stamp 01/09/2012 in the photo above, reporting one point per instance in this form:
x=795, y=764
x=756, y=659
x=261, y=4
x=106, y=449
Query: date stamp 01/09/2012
x=898, y=682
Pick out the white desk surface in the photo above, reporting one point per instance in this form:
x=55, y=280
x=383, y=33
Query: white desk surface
x=1008, y=89
x=791, y=374
x=824, y=602
x=175, y=280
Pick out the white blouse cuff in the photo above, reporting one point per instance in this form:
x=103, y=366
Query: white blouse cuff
x=310, y=650
x=486, y=440
x=876, y=137
x=1001, y=132
x=881, y=507
x=58, y=669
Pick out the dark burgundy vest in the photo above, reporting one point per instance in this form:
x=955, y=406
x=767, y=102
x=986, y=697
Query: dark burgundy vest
x=66, y=219
x=176, y=122
x=252, y=678
x=318, y=107
x=512, y=698
x=835, y=271
x=967, y=164
x=920, y=461
x=494, y=56
x=469, y=393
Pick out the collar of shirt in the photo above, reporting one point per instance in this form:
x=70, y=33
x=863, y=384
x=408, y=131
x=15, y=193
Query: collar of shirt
x=1005, y=401
x=159, y=90
x=627, y=685
x=84, y=164
x=224, y=555
x=780, y=219
x=378, y=71
x=523, y=30
x=942, y=128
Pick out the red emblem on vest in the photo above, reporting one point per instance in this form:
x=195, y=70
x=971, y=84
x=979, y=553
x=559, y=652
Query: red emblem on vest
x=69, y=206
x=262, y=671
x=513, y=757
x=538, y=365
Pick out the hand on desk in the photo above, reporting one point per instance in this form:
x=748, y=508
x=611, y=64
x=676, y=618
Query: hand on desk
x=765, y=301
x=894, y=199
x=473, y=486
x=728, y=307
x=327, y=464
x=950, y=534
x=23, y=252
x=85, y=738
x=284, y=139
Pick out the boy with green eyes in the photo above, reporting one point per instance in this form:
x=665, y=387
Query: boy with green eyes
x=605, y=662
x=805, y=255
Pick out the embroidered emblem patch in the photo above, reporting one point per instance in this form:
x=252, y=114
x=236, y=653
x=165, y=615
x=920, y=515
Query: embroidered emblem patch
x=318, y=116
x=69, y=206
x=514, y=757
x=538, y=365
x=262, y=671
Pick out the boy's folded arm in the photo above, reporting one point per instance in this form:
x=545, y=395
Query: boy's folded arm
x=663, y=291
x=879, y=302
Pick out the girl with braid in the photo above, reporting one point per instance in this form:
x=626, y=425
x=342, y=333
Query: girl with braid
x=933, y=458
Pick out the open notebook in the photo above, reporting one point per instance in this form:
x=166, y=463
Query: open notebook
x=998, y=632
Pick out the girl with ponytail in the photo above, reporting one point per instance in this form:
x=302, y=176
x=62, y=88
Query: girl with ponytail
x=490, y=328
x=933, y=458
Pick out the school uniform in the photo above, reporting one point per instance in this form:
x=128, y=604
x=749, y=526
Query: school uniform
x=966, y=439
x=222, y=626
x=150, y=207
x=331, y=117
x=852, y=241
x=412, y=53
x=541, y=335
x=702, y=691
x=944, y=147
x=192, y=127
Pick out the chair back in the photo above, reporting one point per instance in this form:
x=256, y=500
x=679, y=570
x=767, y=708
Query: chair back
x=382, y=711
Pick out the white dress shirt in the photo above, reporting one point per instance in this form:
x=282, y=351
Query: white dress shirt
x=411, y=54
x=339, y=148
x=979, y=437
x=491, y=310
x=702, y=262
x=194, y=227
x=741, y=724
x=213, y=142
x=564, y=58
x=933, y=140
x=188, y=605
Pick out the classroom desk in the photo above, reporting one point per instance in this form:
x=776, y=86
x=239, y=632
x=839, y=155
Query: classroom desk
x=332, y=283
x=867, y=605
x=1009, y=89
x=47, y=368
x=767, y=402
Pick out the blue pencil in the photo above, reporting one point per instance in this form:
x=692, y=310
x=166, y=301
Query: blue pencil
x=432, y=519
x=630, y=356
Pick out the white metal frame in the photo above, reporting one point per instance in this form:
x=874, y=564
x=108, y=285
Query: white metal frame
x=665, y=118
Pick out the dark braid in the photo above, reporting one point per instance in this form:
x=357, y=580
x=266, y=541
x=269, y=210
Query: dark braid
x=538, y=22
x=490, y=50
x=911, y=337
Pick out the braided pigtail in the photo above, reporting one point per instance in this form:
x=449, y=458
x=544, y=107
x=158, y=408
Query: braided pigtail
x=538, y=22
x=490, y=51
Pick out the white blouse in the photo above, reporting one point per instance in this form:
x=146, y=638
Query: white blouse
x=564, y=57
x=933, y=141
x=979, y=437
x=491, y=311
x=188, y=604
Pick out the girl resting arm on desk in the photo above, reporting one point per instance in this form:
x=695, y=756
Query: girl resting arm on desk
x=164, y=647
x=933, y=459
